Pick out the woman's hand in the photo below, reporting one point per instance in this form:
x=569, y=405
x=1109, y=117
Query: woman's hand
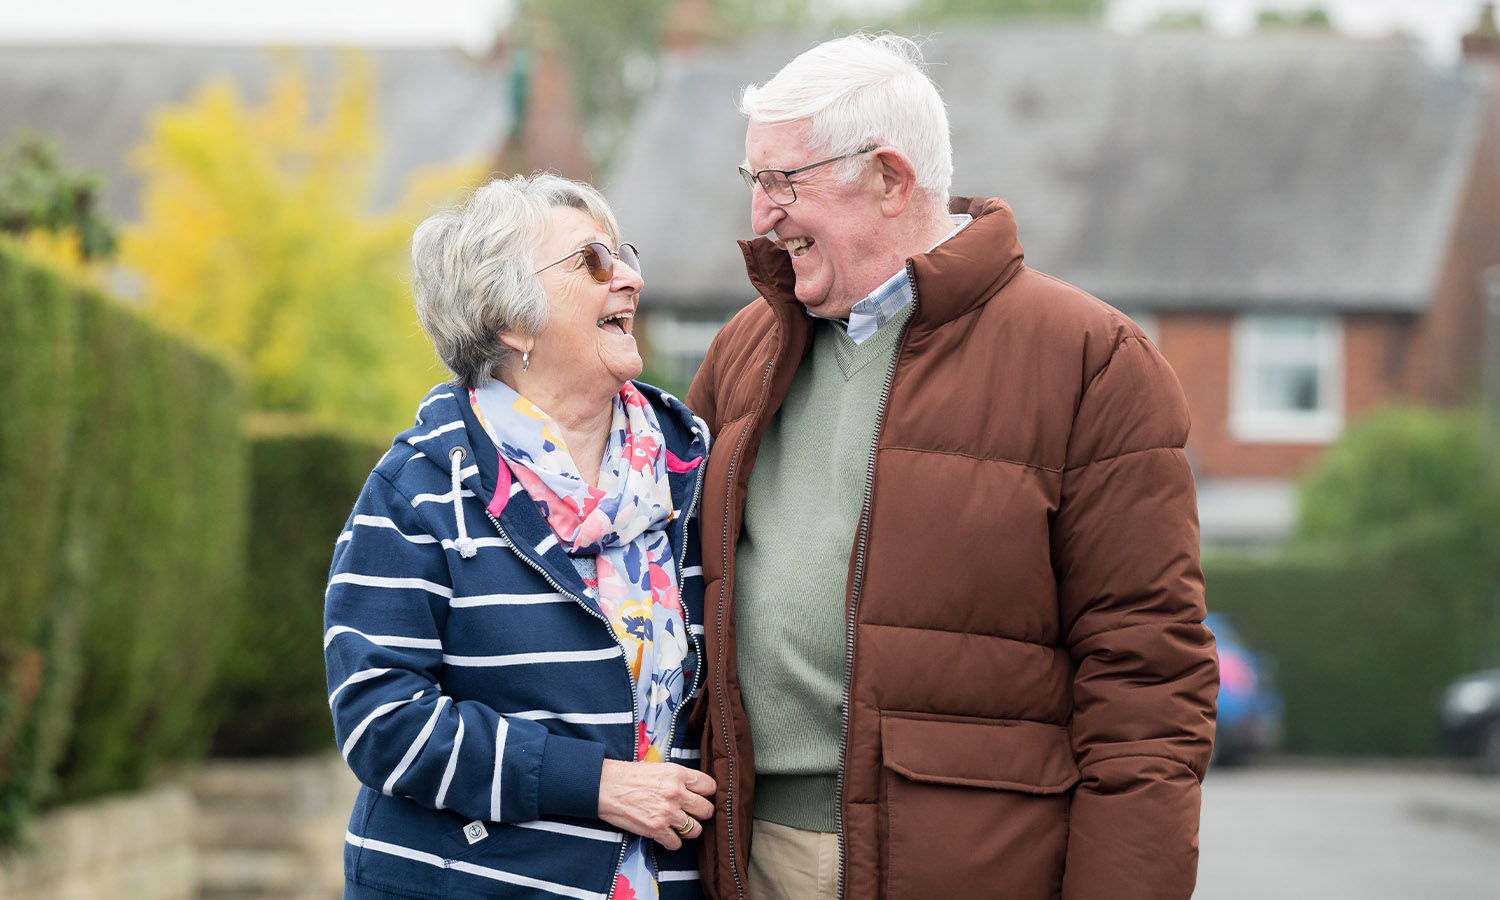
x=655, y=800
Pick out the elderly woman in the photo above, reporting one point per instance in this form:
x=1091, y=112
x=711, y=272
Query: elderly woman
x=513, y=618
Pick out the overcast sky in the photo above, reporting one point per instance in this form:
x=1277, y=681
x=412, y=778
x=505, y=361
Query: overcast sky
x=472, y=23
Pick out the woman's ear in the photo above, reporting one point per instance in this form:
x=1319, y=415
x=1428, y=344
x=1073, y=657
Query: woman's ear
x=517, y=341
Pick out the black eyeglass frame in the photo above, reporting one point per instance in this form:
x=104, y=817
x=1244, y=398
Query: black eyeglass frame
x=607, y=257
x=754, y=178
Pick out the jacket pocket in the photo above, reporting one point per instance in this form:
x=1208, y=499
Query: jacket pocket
x=975, y=807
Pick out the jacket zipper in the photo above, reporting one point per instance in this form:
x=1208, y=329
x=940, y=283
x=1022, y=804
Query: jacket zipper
x=734, y=458
x=857, y=580
x=635, y=711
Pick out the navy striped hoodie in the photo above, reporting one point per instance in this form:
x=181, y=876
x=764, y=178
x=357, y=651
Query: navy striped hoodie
x=476, y=687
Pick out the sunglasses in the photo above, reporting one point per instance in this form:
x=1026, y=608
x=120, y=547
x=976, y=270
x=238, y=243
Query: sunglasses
x=601, y=260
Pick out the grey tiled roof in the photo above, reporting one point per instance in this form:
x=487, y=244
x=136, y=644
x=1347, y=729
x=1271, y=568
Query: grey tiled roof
x=434, y=104
x=1161, y=170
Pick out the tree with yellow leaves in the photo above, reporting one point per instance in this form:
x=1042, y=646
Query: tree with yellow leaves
x=256, y=238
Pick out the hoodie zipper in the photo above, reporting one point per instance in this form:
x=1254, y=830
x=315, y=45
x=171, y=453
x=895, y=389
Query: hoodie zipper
x=686, y=622
x=635, y=711
x=734, y=458
x=857, y=580
x=688, y=628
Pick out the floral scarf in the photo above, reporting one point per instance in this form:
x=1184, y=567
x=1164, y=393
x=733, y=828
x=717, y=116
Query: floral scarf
x=623, y=524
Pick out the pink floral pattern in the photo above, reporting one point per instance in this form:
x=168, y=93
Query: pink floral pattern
x=622, y=523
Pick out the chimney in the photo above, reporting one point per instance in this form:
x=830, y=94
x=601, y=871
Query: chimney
x=691, y=24
x=547, y=131
x=1483, y=42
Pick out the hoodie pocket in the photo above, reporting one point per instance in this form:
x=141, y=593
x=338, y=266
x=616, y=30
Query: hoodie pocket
x=975, y=807
x=534, y=859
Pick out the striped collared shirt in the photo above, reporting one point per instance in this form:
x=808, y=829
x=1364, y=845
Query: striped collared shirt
x=882, y=304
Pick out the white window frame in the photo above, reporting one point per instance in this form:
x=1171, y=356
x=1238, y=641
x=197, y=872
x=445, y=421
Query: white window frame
x=1251, y=419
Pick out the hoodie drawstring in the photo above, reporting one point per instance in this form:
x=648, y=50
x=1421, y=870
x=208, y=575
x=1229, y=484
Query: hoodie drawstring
x=465, y=544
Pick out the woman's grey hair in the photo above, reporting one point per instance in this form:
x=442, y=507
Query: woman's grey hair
x=860, y=89
x=473, y=266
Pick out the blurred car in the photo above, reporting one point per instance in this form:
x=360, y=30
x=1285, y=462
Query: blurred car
x=1471, y=718
x=1250, y=706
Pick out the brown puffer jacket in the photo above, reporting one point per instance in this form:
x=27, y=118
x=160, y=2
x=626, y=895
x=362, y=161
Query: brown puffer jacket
x=1030, y=688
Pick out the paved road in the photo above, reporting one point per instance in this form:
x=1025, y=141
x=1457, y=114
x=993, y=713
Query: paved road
x=1350, y=833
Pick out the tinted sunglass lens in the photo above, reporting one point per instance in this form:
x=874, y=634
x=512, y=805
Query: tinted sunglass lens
x=628, y=257
x=600, y=261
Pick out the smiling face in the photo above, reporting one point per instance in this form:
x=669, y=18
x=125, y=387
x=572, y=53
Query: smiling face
x=587, y=348
x=831, y=231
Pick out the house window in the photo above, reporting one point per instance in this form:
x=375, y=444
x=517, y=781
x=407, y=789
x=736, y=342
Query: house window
x=1288, y=379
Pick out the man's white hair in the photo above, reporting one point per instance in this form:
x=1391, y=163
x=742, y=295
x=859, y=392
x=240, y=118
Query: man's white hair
x=859, y=90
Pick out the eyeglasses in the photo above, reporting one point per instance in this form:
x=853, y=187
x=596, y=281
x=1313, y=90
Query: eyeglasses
x=601, y=260
x=777, y=183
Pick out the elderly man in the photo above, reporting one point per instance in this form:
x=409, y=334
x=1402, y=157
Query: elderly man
x=955, y=613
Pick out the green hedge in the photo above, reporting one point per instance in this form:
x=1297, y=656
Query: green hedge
x=272, y=690
x=122, y=498
x=1364, y=637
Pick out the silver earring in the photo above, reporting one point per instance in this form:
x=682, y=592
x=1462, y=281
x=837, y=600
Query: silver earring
x=525, y=360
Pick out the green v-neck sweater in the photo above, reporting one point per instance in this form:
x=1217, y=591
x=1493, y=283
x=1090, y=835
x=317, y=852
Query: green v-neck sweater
x=792, y=569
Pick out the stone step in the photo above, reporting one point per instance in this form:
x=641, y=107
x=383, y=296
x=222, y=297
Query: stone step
x=129, y=847
x=292, y=785
x=269, y=872
x=265, y=830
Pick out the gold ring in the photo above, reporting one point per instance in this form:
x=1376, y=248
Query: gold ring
x=685, y=829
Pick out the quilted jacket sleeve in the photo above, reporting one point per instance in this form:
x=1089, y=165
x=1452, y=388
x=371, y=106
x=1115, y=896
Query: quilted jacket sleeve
x=1125, y=544
x=387, y=594
x=701, y=397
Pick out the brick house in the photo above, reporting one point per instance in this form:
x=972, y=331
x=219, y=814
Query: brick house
x=1299, y=220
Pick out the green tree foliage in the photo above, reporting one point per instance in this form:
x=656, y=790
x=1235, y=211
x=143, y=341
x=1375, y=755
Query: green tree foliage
x=1365, y=633
x=257, y=239
x=1315, y=18
x=930, y=11
x=38, y=194
x=1179, y=20
x=1396, y=468
x=611, y=51
x=1391, y=589
x=270, y=693
x=122, y=493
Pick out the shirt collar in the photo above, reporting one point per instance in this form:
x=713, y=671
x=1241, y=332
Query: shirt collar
x=882, y=304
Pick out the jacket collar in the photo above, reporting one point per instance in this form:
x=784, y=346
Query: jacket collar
x=952, y=279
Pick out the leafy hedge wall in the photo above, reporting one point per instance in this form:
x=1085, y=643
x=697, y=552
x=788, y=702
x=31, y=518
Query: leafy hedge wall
x=1365, y=635
x=122, y=501
x=272, y=690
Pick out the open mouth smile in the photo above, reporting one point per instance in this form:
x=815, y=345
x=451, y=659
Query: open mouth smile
x=617, y=323
x=796, y=246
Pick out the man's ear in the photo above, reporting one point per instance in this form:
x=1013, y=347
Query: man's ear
x=898, y=180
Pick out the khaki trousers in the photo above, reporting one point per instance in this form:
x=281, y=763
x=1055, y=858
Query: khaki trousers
x=788, y=863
